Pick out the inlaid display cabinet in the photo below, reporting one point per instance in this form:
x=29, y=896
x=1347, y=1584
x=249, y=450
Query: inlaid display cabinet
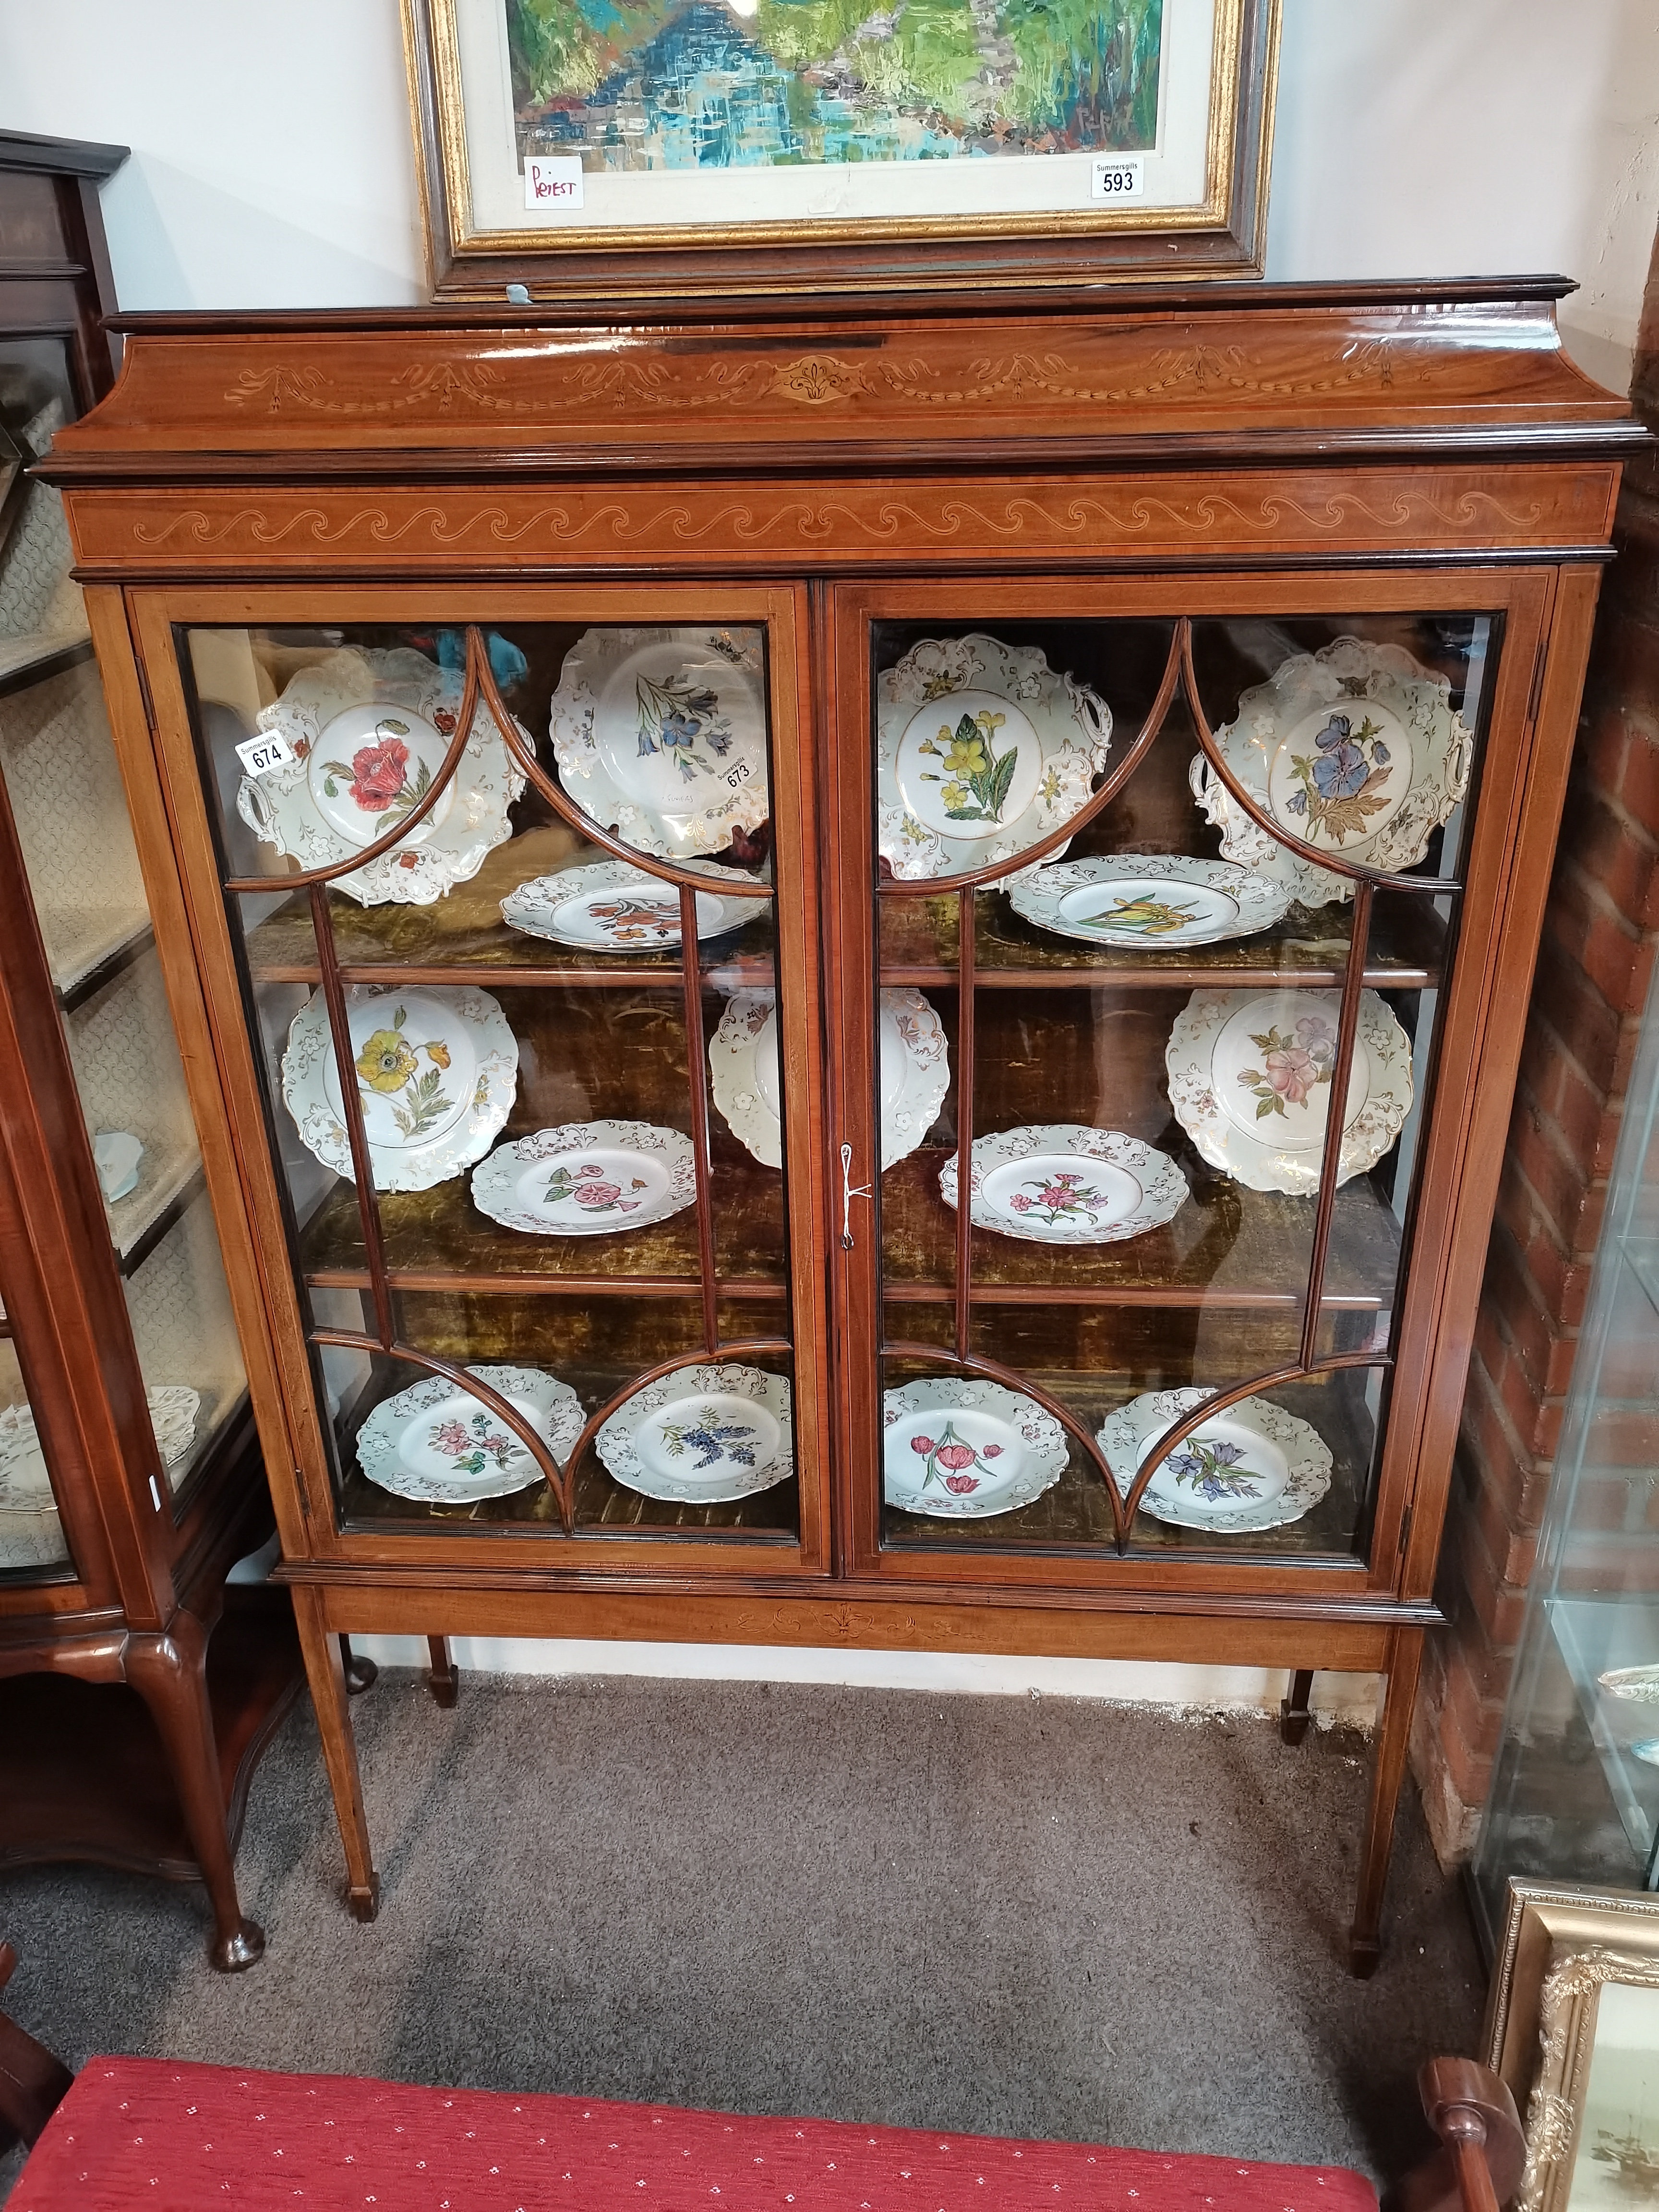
x=728, y=785
x=133, y=1701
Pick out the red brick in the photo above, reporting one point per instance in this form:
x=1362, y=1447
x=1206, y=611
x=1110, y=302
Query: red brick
x=1609, y=848
x=1544, y=1351
x=1624, y=1436
x=1554, y=1080
x=1478, y=1720
x=1491, y=1439
x=1585, y=924
x=1637, y=785
x=1470, y=1773
x=1580, y=1016
x=1560, y=1183
x=1499, y=1608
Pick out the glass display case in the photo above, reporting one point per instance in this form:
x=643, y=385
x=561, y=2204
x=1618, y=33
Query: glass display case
x=1574, y=1792
x=783, y=1048
x=129, y=1479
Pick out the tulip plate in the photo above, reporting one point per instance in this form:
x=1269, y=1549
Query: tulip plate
x=587, y=1179
x=1060, y=1182
x=437, y=1443
x=660, y=735
x=1355, y=749
x=613, y=907
x=916, y=1072
x=368, y=731
x=957, y=1449
x=437, y=1071
x=1161, y=901
x=981, y=749
x=1254, y=1465
x=1249, y=1076
x=703, y=1435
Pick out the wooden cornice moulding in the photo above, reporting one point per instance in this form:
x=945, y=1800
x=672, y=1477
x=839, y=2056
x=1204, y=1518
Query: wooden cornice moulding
x=1307, y=370
x=383, y=531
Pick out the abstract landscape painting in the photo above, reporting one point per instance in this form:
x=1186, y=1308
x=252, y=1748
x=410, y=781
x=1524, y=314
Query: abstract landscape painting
x=723, y=84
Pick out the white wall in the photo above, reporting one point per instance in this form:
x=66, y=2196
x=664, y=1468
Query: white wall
x=272, y=166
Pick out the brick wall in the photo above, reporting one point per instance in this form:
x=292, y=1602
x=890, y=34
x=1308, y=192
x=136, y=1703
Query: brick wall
x=1601, y=930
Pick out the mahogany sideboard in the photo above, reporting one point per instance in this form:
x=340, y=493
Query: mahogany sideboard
x=1267, y=606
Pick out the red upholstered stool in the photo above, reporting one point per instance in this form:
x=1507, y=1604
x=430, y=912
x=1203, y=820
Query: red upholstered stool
x=150, y=2133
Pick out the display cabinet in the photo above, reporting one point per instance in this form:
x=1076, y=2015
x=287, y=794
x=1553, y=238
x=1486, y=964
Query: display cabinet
x=1575, y=1794
x=847, y=862
x=129, y=1475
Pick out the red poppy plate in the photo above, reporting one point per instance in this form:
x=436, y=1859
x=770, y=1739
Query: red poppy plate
x=957, y=1450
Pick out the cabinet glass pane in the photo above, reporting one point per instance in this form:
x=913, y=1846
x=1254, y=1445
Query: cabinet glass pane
x=32, y=1538
x=1128, y=1045
x=63, y=789
x=41, y=611
x=574, y=1128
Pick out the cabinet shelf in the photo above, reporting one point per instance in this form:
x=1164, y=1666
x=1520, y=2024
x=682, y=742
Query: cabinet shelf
x=38, y=655
x=90, y=948
x=169, y=1181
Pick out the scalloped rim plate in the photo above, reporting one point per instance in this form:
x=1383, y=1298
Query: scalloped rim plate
x=645, y=911
x=1220, y=1039
x=916, y=1072
x=456, y=1098
x=25, y=1480
x=697, y=1410
x=408, y=1438
x=1414, y=759
x=602, y=730
x=1135, y=1187
x=451, y=845
x=1055, y=731
x=1014, y=1450
x=1217, y=901
x=1302, y=1472
x=612, y=1175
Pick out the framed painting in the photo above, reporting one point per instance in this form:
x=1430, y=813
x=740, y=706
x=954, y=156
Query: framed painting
x=672, y=149
x=1572, y=2028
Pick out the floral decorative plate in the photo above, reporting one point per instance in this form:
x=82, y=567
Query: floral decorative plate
x=587, y=1179
x=438, y=1444
x=437, y=1071
x=1060, y=1182
x=1249, y=1078
x=703, y=1435
x=368, y=731
x=25, y=1483
x=1355, y=749
x=660, y=735
x=959, y=1450
x=1166, y=901
x=916, y=1072
x=980, y=748
x=610, y=907
x=1254, y=1466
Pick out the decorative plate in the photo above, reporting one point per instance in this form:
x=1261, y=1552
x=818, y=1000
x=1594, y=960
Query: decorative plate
x=368, y=731
x=916, y=1072
x=1354, y=749
x=437, y=1073
x=611, y=907
x=1254, y=1467
x=1165, y=901
x=1249, y=1080
x=1058, y=1182
x=438, y=1444
x=704, y=1436
x=25, y=1483
x=980, y=748
x=587, y=1179
x=660, y=735
x=959, y=1450
x=1637, y=1685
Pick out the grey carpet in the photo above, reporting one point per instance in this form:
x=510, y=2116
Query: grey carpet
x=1014, y=1915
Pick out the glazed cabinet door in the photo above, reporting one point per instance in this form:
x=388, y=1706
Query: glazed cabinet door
x=531, y=869
x=1135, y=880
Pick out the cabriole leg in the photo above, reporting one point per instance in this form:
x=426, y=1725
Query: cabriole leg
x=1293, y=1714
x=326, y=1672
x=169, y=1673
x=443, y=1682
x=1392, y=1736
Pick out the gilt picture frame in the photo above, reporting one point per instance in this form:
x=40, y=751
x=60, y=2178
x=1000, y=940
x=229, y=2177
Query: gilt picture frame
x=1572, y=2029
x=673, y=150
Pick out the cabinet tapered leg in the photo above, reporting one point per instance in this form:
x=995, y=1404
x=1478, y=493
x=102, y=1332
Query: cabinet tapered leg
x=326, y=1672
x=1392, y=1736
x=1293, y=1714
x=443, y=1682
x=361, y=1673
x=169, y=1673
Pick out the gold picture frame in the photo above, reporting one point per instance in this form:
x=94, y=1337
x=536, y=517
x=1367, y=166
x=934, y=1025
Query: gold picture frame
x=675, y=214
x=1572, y=2030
